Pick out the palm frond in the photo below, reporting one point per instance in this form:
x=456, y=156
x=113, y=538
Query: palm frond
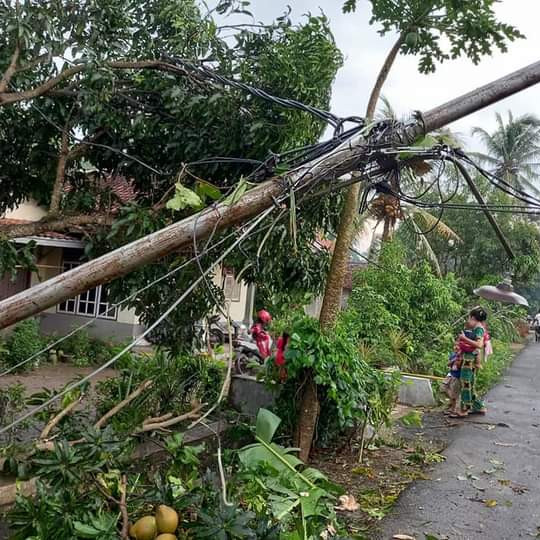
x=432, y=257
x=431, y=222
x=385, y=110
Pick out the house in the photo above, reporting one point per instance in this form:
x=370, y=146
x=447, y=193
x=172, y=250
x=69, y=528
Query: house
x=56, y=253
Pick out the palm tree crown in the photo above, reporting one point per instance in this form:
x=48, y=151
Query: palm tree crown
x=513, y=151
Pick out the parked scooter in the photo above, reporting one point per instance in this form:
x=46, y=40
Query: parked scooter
x=247, y=355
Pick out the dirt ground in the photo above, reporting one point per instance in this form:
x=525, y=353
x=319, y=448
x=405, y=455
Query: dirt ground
x=52, y=377
x=403, y=454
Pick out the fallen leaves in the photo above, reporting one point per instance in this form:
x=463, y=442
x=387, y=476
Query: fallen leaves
x=347, y=503
x=403, y=537
x=490, y=503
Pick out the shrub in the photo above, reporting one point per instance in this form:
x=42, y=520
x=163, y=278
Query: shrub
x=401, y=310
x=349, y=388
x=22, y=343
x=86, y=350
x=178, y=381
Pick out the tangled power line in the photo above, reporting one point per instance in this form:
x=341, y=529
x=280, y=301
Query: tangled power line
x=379, y=164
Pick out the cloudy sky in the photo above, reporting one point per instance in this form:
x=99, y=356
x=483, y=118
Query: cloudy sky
x=407, y=89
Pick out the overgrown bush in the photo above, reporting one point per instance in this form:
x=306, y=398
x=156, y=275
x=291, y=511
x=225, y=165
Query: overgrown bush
x=178, y=382
x=401, y=310
x=85, y=350
x=23, y=342
x=349, y=388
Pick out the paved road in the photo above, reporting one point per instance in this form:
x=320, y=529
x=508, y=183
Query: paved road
x=484, y=463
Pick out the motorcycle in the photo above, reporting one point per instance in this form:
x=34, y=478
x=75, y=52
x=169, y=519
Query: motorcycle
x=218, y=330
x=247, y=355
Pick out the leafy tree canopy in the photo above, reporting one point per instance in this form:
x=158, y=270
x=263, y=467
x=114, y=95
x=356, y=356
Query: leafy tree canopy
x=90, y=86
x=470, y=27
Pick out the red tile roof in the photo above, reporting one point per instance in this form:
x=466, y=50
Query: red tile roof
x=118, y=185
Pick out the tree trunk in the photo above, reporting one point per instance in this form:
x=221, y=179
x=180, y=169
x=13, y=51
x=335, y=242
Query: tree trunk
x=309, y=404
x=308, y=415
x=58, y=187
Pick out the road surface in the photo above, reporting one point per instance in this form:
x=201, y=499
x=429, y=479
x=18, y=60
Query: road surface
x=489, y=485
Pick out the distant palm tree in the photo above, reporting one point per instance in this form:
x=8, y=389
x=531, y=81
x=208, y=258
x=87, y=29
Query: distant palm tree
x=513, y=151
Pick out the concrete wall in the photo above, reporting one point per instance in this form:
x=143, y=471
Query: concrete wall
x=62, y=323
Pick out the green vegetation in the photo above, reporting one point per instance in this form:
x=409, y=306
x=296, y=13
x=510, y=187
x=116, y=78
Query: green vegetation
x=23, y=342
x=270, y=494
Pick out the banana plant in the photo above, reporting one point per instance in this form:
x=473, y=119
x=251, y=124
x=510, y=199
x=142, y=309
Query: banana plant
x=295, y=495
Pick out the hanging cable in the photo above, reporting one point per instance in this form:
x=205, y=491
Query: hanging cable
x=130, y=346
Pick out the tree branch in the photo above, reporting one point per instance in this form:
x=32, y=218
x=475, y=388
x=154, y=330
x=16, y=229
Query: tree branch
x=10, y=71
x=123, y=508
x=137, y=392
x=55, y=420
x=60, y=172
x=8, y=98
x=156, y=419
x=172, y=421
x=53, y=225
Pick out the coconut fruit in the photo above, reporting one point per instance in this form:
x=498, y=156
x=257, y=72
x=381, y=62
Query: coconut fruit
x=144, y=529
x=166, y=519
x=166, y=536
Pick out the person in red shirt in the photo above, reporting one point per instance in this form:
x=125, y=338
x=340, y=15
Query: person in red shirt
x=260, y=335
x=280, y=356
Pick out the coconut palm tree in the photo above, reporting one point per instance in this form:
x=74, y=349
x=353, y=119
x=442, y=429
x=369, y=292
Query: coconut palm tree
x=388, y=210
x=513, y=151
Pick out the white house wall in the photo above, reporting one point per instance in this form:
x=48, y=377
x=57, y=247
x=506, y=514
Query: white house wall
x=236, y=309
x=27, y=210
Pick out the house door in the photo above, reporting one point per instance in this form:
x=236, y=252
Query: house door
x=10, y=286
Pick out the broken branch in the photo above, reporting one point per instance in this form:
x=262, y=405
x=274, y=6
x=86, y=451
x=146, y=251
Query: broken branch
x=137, y=392
x=123, y=508
x=172, y=421
x=55, y=420
x=53, y=225
x=157, y=419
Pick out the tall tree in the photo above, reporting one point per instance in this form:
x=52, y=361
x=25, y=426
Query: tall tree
x=435, y=31
x=513, y=151
x=91, y=84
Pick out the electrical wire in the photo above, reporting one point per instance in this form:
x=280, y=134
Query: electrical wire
x=207, y=249
x=139, y=338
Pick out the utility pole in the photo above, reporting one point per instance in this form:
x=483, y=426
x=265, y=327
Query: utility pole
x=180, y=235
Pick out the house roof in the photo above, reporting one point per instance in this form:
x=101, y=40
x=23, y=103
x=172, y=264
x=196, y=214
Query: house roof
x=120, y=186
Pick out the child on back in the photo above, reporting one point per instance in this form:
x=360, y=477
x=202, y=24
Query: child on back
x=452, y=383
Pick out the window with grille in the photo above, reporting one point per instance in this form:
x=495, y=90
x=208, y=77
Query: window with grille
x=92, y=303
x=231, y=288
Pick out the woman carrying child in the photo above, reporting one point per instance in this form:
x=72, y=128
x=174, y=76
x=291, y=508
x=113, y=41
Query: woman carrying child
x=471, y=343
